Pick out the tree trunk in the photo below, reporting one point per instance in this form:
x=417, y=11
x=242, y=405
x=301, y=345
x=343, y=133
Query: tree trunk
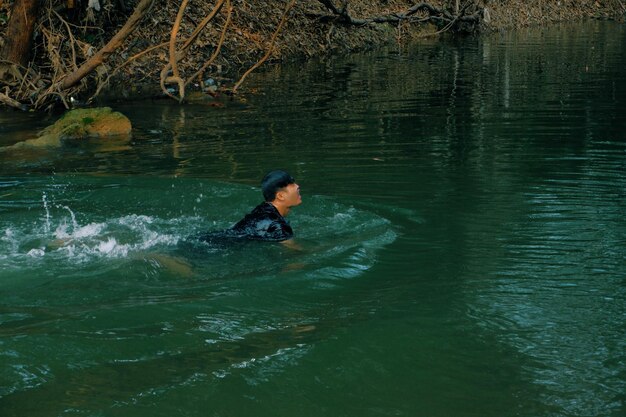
x=19, y=35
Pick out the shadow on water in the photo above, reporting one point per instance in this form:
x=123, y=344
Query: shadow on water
x=83, y=389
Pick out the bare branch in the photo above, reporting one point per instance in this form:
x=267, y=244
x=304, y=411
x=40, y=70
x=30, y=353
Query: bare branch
x=128, y=61
x=177, y=56
x=12, y=103
x=203, y=24
x=99, y=57
x=173, y=62
x=434, y=15
x=270, y=48
x=219, y=45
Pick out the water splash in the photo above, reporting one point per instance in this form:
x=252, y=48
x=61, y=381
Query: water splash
x=339, y=240
x=47, y=212
x=72, y=216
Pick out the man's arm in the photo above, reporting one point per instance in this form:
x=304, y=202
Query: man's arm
x=292, y=244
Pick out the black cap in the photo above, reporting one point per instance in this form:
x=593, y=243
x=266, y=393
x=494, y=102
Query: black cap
x=274, y=181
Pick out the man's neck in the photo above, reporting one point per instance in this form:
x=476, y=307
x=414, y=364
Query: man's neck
x=282, y=210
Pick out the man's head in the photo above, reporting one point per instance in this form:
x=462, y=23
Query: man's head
x=281, y=189
x=275, y=181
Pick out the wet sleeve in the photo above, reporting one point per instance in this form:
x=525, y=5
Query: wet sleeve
x=279, y=231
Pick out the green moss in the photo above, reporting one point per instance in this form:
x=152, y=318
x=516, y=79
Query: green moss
x=74, y=130
x=82, y=124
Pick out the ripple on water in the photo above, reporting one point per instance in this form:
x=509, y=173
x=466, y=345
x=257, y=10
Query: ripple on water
x=55, y=234
x=555, y=291
x=90, y=271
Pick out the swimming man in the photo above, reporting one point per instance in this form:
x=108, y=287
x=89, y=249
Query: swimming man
x=267, y=220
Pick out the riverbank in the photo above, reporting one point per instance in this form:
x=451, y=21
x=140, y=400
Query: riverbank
x=208, y=46
x=312, y=30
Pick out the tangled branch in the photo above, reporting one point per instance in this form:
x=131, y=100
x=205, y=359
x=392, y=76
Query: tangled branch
x=66, y=57
x=440, y=16
x=176, y=56
x=217, y=49
x=269, y=49
x=99, y=57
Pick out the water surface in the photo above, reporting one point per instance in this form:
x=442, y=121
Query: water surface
x=462, y=238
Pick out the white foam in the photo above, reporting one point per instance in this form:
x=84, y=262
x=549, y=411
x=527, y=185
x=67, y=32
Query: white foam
x=136, y=220
x=61, y=231
x=8, y=234
x=112, y=248
x=36, y=253
x=92, y=229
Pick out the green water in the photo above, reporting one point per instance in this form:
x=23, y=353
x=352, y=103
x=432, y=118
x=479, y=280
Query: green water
x=462, y=236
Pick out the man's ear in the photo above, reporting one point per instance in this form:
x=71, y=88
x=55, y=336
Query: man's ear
x=280, y=195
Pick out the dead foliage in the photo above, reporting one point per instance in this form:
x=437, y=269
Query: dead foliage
x=159, y=47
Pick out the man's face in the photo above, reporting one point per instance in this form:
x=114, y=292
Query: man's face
x=291, y=195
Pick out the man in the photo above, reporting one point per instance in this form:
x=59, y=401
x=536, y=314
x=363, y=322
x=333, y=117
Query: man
x=267, y=220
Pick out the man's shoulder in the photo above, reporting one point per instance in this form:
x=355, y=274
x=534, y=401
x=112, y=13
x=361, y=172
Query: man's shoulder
x=264, y=222
x=263, y=213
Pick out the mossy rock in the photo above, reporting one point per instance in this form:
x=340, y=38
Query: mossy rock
x=81, y=124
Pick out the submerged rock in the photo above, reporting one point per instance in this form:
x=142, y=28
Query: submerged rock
x=81, y=124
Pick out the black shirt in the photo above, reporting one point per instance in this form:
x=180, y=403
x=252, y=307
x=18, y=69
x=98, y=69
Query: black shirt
x=264, y=222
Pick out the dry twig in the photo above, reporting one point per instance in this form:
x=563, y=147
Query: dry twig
x=11, y=102
x=217, y=48
x=176, y=56
x=434, y=14
x=269, y=49
x=99, y=57
x=138, y=55
x=173, y=61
